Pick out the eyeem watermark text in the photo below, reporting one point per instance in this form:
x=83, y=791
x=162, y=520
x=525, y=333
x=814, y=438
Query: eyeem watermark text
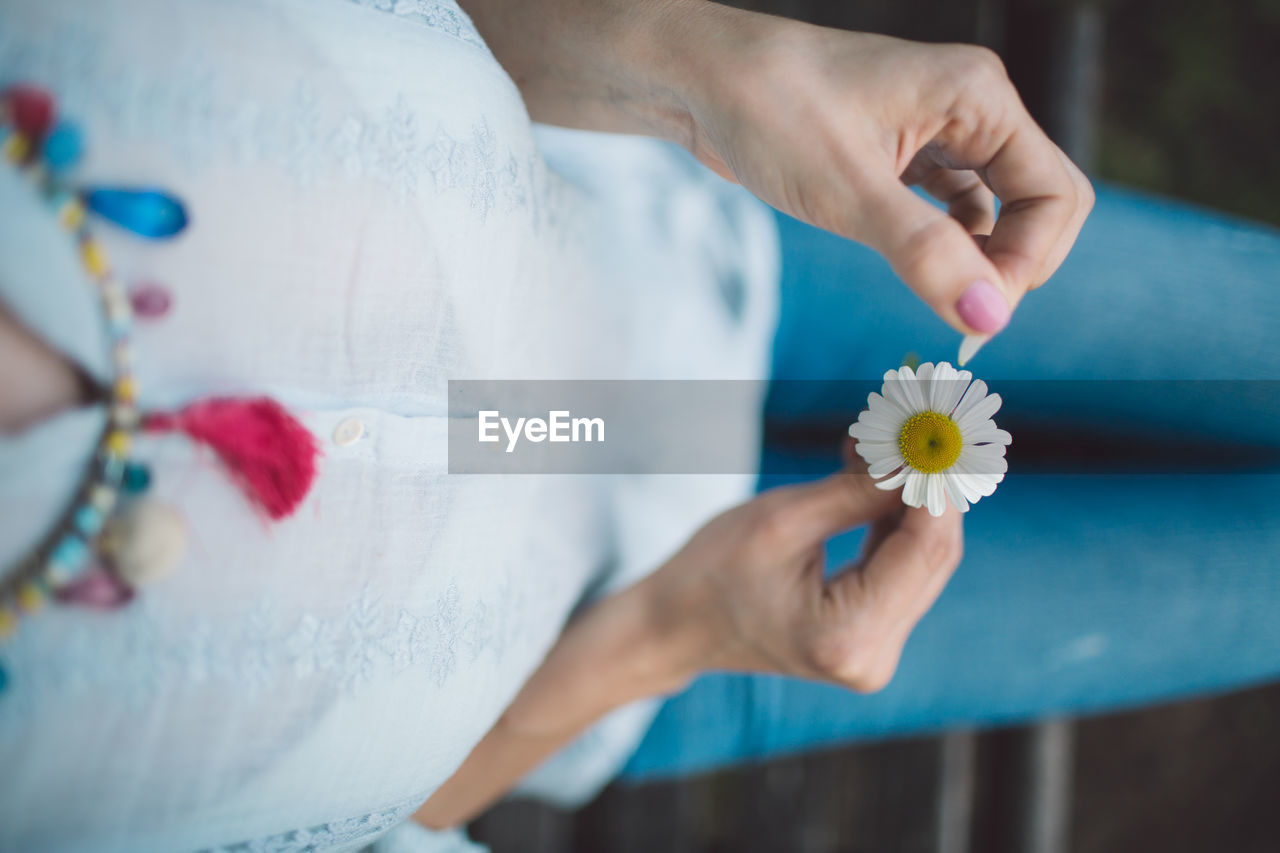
x=558, y=426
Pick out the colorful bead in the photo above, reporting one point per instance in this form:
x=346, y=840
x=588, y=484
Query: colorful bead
x=98, y=589
x=126, y=389
x=88, y=519
x=119, y=443
x=30, y=108
x=60, y=575
x=119, y=317
x=124, y=415
x=63, y=147
x=70, y=212
x=122, y=353
x=150, y=300
x=137, y=478
x=31, y=597
x=103, y=498
x=67, y=560
x=94, y=258
x=148, y=213
x=112, y=468
x=15, y=147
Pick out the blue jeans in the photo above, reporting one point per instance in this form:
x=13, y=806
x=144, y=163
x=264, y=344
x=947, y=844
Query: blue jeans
x=1079, y=592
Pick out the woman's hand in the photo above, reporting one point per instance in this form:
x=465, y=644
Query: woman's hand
x=746, y=593
x=831, y=127
x=826, y=125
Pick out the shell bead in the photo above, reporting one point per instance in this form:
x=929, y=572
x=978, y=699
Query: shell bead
x=146, y=543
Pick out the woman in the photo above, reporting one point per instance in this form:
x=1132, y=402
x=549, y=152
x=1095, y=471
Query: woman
x=372, y=214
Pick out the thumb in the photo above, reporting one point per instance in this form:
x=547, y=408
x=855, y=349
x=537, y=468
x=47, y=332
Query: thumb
x=814, y=512
x=934, y=255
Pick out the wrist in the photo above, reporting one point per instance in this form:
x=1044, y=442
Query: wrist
x=626, y=647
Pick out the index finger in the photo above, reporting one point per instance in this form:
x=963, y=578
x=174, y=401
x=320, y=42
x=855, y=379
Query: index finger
x=1040, y=200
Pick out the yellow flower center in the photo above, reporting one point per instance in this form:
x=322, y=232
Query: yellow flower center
x=930, y=442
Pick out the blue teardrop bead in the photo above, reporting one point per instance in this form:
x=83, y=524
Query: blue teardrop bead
x=63, y=146
x=148, y=213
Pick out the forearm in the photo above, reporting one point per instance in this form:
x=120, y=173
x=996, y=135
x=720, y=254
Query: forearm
x=624, y=66
x=627, y=647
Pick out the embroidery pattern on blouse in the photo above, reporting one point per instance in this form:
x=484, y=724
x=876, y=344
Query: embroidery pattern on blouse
x=326, y=836
x=400, y=149
x=446, y=18
x=374, y=639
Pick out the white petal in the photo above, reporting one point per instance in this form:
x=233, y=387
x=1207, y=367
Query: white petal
x=909, y=390
x=882, y=417
x=982, y=453
x=885, y=465
x=969, y=347
x=987, y=433
x=865, y=432
x=974, y=394
x=989, y=468
x=935, y=499
x=873, y=450
x=980, y=411
x=893, y=482
x=941, y=386
x=924, y=382
x=954, y=493
x=875, y=401
x=914, y=493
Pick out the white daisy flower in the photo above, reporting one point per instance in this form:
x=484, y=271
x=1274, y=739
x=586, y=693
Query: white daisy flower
x=931, y=429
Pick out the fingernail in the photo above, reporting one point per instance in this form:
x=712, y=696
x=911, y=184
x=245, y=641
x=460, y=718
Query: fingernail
x=983, y=307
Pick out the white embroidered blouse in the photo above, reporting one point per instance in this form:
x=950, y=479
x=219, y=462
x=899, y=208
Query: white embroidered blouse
x=372, y=215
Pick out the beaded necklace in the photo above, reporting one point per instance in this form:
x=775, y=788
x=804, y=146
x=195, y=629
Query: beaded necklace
x=85, y=559
x=45, y=152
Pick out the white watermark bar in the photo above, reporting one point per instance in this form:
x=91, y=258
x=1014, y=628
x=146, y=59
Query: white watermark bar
x=604, y=427
x=723, y=427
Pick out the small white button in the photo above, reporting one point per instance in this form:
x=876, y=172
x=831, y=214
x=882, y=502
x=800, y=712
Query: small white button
x=348, y=431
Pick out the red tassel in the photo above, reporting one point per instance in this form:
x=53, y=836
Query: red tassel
x=269, y=453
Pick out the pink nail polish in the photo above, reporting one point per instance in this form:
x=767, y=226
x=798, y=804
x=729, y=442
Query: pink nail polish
x=983, y=307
